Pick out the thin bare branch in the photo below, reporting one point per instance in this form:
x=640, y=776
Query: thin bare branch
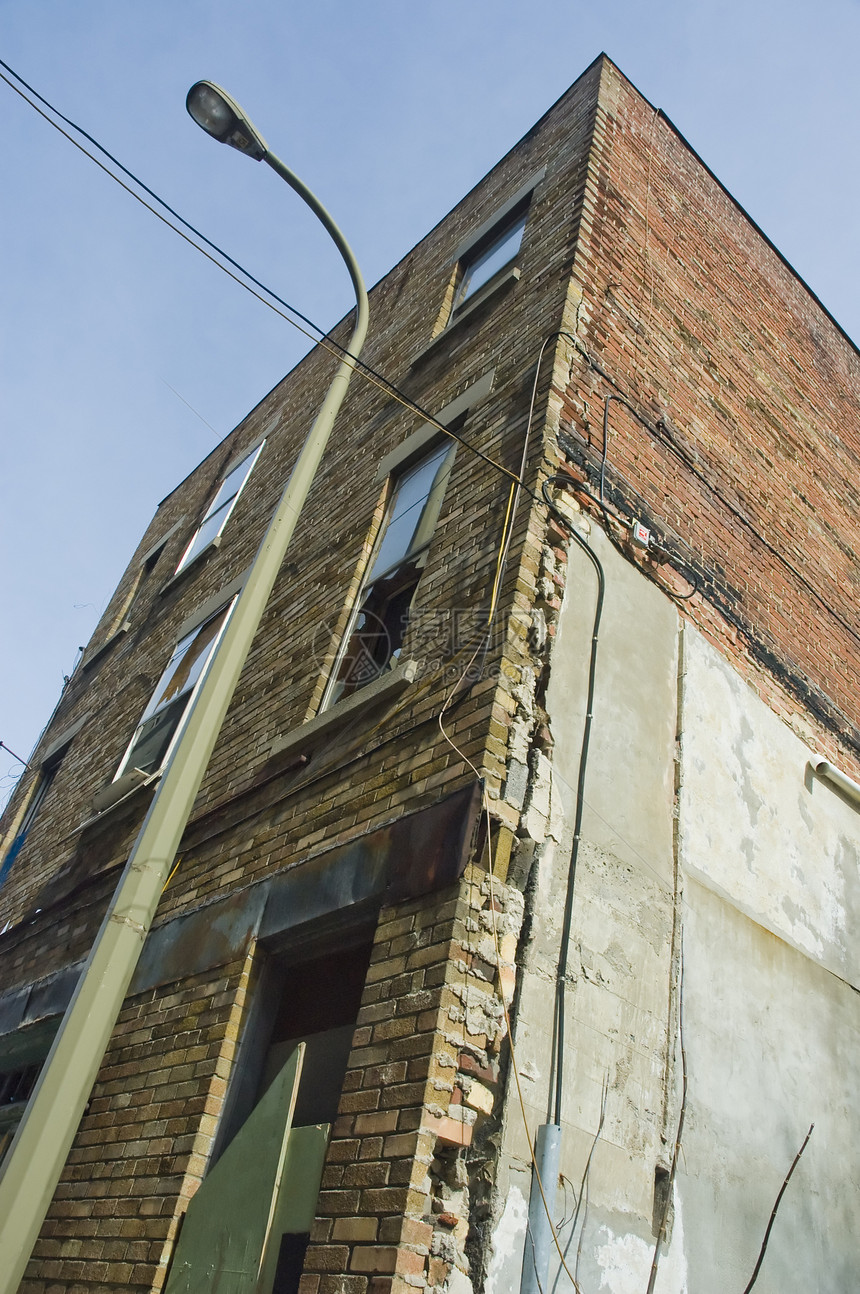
x=782, y=1190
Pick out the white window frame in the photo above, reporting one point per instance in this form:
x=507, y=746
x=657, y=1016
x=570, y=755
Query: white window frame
x=48, y=768
x=416, y=554
x=469, y=265
x=248, y=461
x=189, y=632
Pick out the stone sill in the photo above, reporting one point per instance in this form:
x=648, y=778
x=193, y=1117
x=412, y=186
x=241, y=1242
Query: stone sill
x=389, y=684
x=106, y=646
x=505, y=276
x=178, y=576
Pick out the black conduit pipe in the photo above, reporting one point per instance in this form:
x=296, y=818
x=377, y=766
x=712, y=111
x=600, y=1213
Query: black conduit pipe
x=580, y=792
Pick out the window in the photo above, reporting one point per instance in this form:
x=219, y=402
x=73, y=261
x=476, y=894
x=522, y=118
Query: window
x=218, y=512
x=22, y=1055
x=121, y=622
x=15, y=1091
x=160, y=722
x=43, y=785
x=376, y=630
x=48, y=768
x=487, y=259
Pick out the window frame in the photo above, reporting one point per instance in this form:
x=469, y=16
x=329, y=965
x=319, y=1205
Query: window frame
x=414, y=554
x=188, y=632
x=464, y=293
x=191, y=553
x=48, y=767
x=481, y=241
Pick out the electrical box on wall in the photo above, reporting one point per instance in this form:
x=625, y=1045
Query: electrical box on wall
x=640, y=535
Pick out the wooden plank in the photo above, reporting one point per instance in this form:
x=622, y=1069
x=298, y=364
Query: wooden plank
x=297, y=1196
x=222, y=1245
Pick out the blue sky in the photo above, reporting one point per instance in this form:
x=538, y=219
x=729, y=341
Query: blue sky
x=112, y=327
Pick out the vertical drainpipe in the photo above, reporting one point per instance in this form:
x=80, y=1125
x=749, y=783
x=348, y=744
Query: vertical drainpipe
x=539, y=1231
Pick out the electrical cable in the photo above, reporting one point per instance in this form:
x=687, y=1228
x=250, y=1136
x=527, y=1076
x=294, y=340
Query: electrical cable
x=327, y=342
x=173, y=872
x=197, y=233
x=516, y=487
x=580, y=791
x=583, y=1188
x=490, y=872
x=611, y=515
x=577, y=833
x=772, y=1218
x=670, y=1183
x=324, y=339
x=664, y=437
x=514, y=1065
x=11, y=752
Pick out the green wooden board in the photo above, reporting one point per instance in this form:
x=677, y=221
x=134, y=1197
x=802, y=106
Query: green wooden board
x=297, y=1197
x=223, y=1241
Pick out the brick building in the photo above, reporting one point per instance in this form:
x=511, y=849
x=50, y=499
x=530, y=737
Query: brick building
x=659, y=917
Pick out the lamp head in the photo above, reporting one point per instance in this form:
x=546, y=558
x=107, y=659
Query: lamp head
x=223, y=119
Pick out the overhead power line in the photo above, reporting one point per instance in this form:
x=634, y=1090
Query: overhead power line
x=319, y=335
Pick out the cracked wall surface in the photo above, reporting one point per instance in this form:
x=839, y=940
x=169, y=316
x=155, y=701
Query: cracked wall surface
x=700, y=817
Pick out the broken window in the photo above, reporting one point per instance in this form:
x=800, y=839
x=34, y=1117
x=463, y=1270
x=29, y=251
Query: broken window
x=375, y=634
x=218, y=512
x=159, y=725
x=137, y=589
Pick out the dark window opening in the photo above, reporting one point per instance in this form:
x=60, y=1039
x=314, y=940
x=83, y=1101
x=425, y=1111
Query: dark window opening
x=140, y=585
x=15, y=1090
x=20, y=1066
x=374, y=637
x=46, y=779
x=318, y=1006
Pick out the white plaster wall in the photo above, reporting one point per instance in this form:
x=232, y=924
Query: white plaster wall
x=619, y=961
x=769, y=901
x=772, y=1016
x=755, y=826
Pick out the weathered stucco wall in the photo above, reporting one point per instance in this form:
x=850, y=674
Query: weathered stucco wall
x=701, y=815
x=771, y=913
x=619, y=965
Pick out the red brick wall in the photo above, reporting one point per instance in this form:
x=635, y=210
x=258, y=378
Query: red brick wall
x=750, y=469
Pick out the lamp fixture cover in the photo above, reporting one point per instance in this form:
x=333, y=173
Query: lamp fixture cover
x=222, y=118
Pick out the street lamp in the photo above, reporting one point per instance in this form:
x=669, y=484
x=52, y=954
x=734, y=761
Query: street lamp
x=42, y=1143
x=223, y=119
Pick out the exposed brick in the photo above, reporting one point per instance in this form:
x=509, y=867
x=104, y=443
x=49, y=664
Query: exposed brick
x=744, y=385
x=355, y=1229
x=386, y=1121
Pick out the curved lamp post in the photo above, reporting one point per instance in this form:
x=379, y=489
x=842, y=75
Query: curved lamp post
x=41, y=1147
